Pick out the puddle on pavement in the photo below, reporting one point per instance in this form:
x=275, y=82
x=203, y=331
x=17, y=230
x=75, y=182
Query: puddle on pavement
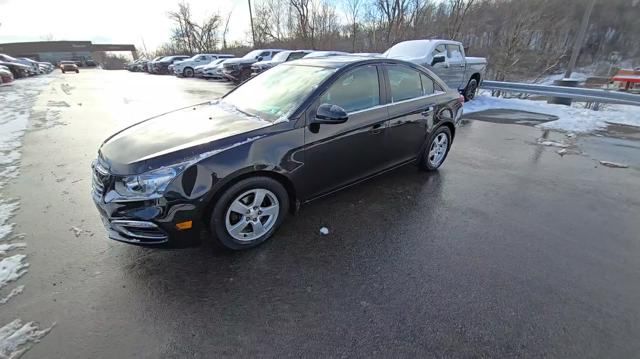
x=510, y=117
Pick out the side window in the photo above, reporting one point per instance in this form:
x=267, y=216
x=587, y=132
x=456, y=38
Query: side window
x=265, y=54
x=427, y=85
x=405, y=83
x=454, y=52
x=439, y=50
x=201, y=58
x=354, y=91
x=295, y=56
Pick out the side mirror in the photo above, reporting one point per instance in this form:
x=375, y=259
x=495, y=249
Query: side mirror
x=330, y=114
x=437, y=59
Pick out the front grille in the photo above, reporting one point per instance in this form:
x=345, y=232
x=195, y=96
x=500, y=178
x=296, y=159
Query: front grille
x=100, y=179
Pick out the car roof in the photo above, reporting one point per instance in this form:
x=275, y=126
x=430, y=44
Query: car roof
x=340, y=60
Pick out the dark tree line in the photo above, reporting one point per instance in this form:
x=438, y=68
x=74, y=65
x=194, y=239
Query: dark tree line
x=520, y=38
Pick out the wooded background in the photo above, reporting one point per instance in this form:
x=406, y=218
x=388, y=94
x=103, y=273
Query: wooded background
x=520, y=38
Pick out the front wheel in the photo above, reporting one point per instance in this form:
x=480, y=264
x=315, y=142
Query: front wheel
x=77, y=71
x=249, y=212
x=188, y=72
x=437, y=150
x=470, y=90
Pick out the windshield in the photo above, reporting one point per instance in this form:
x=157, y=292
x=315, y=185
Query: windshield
x=408, y=49
x=252, y=55
x=281, y=56
x=275, y=93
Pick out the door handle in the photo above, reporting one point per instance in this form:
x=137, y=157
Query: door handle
x=427, y=111
x=376, y=129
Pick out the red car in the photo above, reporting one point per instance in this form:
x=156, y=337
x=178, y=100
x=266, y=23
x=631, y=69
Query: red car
x=5, y=75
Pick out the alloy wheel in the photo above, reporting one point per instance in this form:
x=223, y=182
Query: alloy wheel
x=252, y=214
x=438, y=149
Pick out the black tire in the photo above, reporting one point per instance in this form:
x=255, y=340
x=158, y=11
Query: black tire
x=425, y=160
x=218, y=218
x=62, y=71
x=188, y=72
x=470, y=90
x=77, y=71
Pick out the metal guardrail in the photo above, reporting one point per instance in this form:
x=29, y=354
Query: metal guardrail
x=576, y=93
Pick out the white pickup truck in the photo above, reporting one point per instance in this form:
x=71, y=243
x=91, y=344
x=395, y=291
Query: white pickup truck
x=446, y=59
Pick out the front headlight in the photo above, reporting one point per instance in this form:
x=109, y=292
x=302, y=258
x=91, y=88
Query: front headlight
x=149, y=185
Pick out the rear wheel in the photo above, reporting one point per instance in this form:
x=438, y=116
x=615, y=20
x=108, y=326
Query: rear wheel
x=249, y=212
x=77, y=71
x=437, y=150
x=470, y=90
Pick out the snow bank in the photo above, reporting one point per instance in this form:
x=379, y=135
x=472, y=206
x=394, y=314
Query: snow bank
x=17, y=102
x=16, y=338
x=570, y=118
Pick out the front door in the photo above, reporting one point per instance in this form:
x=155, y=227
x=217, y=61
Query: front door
x=456, y=61
x=339, y=154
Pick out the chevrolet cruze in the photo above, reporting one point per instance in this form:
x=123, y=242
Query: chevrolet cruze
x=236, y=166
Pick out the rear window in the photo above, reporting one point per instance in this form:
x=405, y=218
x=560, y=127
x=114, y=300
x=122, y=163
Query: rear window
x=405, y=83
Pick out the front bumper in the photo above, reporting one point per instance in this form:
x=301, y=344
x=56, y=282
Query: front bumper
x=153, y=223
x=232, y=74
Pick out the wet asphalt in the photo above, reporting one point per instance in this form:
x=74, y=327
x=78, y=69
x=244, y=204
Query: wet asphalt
x=511, y=249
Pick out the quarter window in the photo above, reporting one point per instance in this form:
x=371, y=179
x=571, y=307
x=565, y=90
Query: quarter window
x=295, y=56
x=427, y=85
x=354, y=91
x=405, y=83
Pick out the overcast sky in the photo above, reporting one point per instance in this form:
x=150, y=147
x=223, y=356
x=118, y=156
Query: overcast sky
x=109, y=21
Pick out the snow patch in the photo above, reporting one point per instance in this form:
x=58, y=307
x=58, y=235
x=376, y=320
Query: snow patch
x=15, y=291
x=613, y=164
x=550, y=143
x=6, y=211
x=17, y=337
x=6, y=247
x=324, y=231
x=12, y=268
x=570, y=118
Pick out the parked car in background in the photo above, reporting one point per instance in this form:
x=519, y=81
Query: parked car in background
x=238, y=70
x=368, y=54
x=325, y=54
x=151, y=64
x=35, y=68
x=238, y=166
x=46, y=67
x=162, y=66
x=5, y=75
x=447, y=60
x=283, y=56
x=67, y=66
x=187, y=67
x=17, y=69
x=211, y=70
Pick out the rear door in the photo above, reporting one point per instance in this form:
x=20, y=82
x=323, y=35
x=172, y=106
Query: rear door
x=415, y=99
x=339, y=154
x=409, y=113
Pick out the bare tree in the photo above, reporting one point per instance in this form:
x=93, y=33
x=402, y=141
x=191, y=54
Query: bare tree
x=225, y=32
x=353, y=9
x=458, y=11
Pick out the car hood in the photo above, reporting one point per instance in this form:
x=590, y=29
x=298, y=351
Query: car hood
x=183, y=133
x=240, y=61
